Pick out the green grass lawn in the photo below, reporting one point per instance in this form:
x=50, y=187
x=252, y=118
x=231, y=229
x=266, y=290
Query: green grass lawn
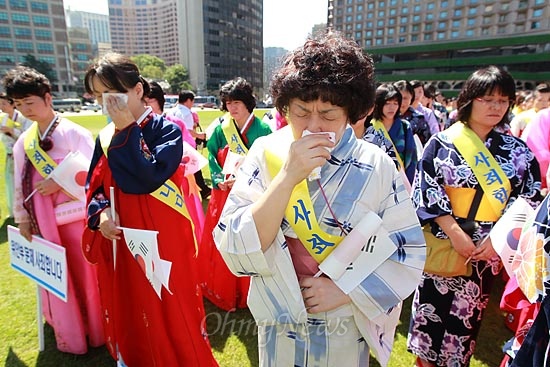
x=232, y=335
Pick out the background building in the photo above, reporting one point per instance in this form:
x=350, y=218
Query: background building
x=273, y=57
x=215, y=40
x=443, y=41
x=96, y=24
x=36, y=28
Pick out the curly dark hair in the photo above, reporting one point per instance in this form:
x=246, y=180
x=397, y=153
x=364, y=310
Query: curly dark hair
x=384, y=93
x=24, y=81
x=482, y=82
x=329, y=68
x=238, y=89
x=117, y=72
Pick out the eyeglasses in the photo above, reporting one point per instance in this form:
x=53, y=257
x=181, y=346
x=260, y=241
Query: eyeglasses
x=494, y=103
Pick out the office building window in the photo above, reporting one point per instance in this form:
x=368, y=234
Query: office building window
x=416, y=18
x=442, y=25
x=6, y=45
x=444, y=4
x=430, y=6
x=443, y=14
x=428, y=27
x=535, y=25
x=18, y=4
x=40, y=7
x=457, y=13
x=391, y=21
x=455, y=34
x=456, y=23
x=380, y=23
x=428, y=37
x=381, y=13
x=471, y=22
x=537, y=13
x=24, y=46
x=470, y=33
x=414, y=38
x=379, y=42
x=393, y=12
x=41, y=20
x=440, y=35
x=417, y=8
x=380, y=32
x=429, y=16
x=472, y=11
x=20, y=18
x=22, y=32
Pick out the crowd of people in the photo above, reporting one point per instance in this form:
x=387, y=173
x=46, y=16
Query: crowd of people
x=320, y=217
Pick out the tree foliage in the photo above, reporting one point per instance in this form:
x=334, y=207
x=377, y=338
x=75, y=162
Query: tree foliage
x=41, y=66
x=151, y=67
x=178, y=78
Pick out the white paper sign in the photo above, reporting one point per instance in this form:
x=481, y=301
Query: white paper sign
x=40, y=260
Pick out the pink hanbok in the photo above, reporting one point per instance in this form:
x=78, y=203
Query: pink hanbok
x=190, y=189
x=537, y=138
x=77, y=322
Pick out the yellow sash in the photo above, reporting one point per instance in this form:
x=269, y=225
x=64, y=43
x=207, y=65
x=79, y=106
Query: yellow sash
x=43, y=163
x=301, y=216
x=7, y=121
x=169, y=193
x=233, y=138
x=496, y=186
x=379, y=126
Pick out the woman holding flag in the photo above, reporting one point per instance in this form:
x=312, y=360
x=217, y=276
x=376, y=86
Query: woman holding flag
x=469, y=165
x=38, y=153
x=283, y=225
x=139, y=231
x=227, y=146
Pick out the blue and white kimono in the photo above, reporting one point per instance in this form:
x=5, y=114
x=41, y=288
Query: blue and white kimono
x=358, y=179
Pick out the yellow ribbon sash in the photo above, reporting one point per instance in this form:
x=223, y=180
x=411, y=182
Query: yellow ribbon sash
x=493, y=180
x=43, y=163
x=168, y=193
x=379, y=126
x=7, y=121
x=236, y=144
x=301, y=216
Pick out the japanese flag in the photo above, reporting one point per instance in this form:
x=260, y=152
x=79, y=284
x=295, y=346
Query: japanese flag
x=71, y=174
x=232, y=163
x=192, y=159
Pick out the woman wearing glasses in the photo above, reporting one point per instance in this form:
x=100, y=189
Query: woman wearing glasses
x=472, y=160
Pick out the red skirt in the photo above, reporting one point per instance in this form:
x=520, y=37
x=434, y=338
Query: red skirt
x=219, y=285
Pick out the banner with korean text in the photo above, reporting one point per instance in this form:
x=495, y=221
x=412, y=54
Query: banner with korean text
x=40, y=260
